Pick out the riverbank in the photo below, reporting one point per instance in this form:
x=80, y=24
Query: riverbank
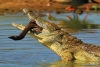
x=14, y=6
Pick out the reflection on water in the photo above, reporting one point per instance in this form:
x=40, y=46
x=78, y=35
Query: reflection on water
x=75, y=64
x=29, y=53
x=72, y=23
x=80, y=24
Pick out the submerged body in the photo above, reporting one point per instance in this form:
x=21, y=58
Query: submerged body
x=62, y=43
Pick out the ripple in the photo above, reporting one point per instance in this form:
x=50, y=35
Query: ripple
x=28, y=52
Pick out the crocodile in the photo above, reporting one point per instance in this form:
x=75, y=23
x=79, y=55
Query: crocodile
x=66, y=46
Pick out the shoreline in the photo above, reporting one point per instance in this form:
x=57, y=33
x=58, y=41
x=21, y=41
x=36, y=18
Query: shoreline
x=12, y=7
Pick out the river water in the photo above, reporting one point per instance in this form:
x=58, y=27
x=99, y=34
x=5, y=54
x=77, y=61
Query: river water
x=29, y=53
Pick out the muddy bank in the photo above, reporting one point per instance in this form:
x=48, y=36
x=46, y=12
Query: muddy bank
x=14, y=6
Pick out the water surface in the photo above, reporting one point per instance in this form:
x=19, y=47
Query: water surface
x=29, y=53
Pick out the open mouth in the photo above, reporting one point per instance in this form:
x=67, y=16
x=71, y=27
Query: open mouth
x=35, y=27
x=32, y=26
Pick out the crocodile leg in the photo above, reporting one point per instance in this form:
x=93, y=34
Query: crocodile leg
x=67, y=56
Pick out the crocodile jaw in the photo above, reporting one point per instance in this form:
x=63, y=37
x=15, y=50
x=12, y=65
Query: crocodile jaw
x=37, y=36
x=43, y=38
x=39, y=21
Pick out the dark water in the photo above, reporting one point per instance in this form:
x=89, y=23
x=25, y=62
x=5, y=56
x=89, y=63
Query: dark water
x=29, y=53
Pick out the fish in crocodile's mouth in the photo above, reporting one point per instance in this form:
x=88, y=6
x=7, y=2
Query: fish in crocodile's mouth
x=32, y=26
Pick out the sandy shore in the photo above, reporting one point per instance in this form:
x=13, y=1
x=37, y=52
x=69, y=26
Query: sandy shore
x=14, y=6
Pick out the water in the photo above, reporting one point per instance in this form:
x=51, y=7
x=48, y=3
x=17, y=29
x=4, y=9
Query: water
x=29, y=53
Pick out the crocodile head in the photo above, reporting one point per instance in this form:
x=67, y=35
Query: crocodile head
x=32, y=16
x=41, y=22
